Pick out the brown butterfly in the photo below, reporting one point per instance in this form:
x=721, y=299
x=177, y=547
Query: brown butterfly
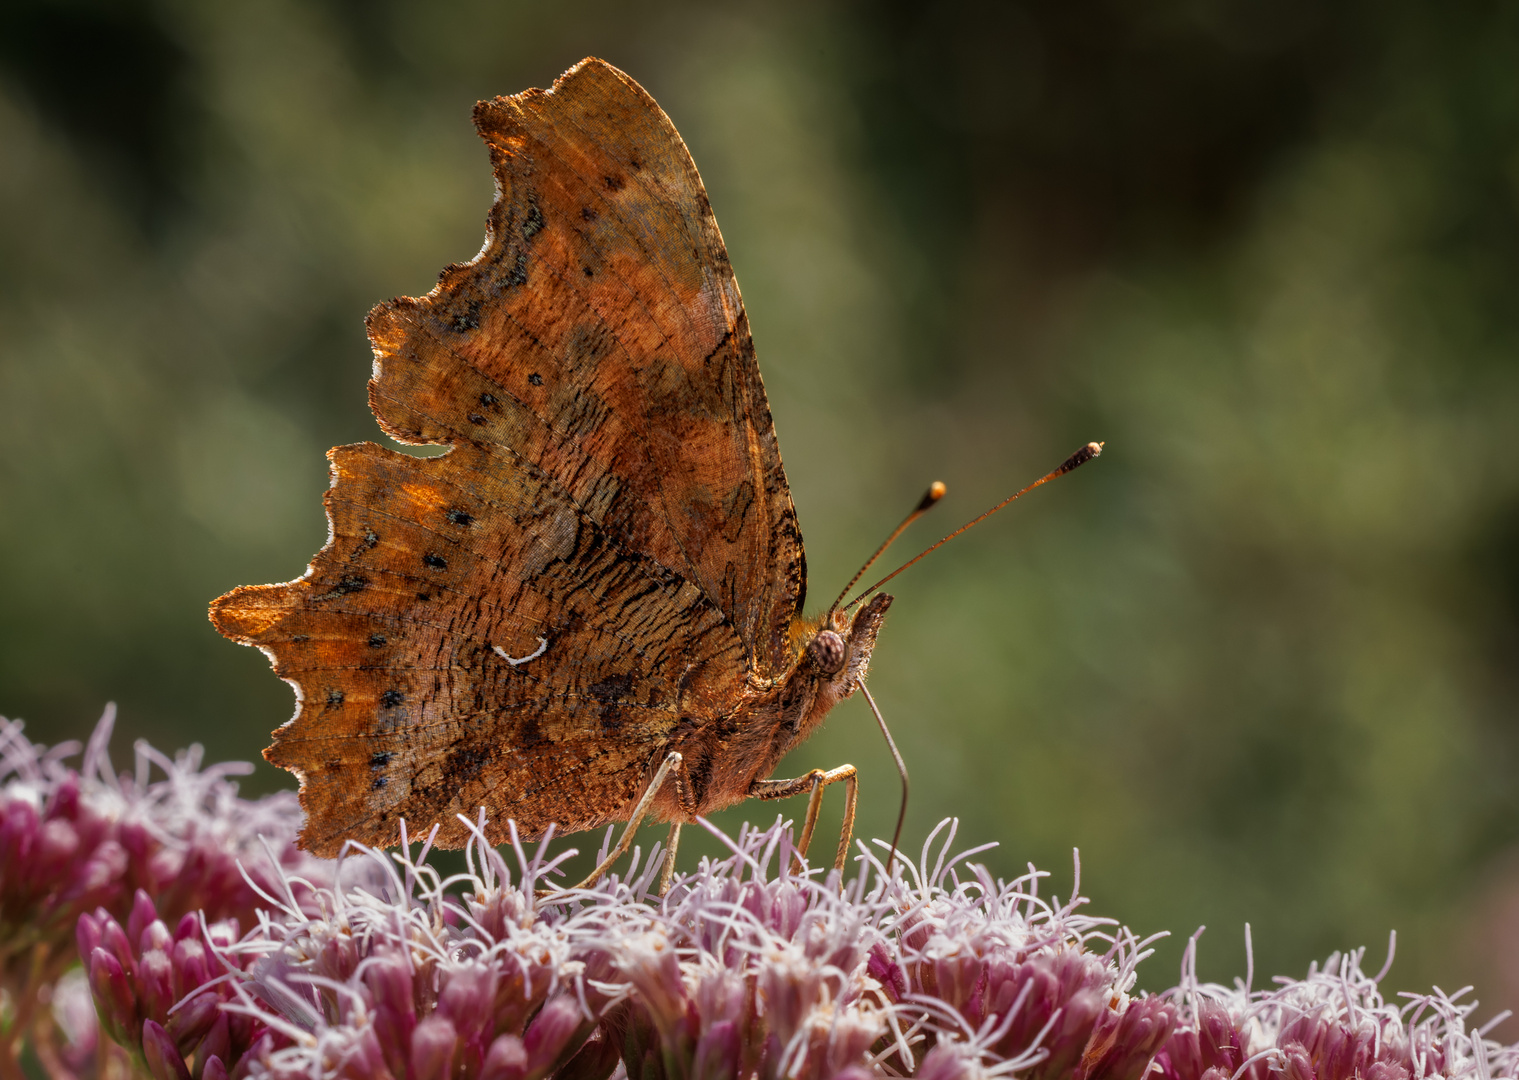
x=594, y=599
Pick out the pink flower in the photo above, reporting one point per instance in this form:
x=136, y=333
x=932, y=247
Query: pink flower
x=163, y=992
x=744, y=969
x=1332, y=1025
x=375, y=966
x=84, y=840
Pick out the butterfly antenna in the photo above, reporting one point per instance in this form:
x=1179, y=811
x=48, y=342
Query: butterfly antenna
x=1075, y=461
x=934, y=493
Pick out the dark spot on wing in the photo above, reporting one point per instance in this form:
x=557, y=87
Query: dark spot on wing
x=614, y=183
x=435, y=562
x=517, y=275
x=610, y=691
x=612, y=688
x=465, y=764
x=334, y=698
x=466, y=319
x=371, y=538
x=391, y=698
x=376, y=640
x=532, y=222
x=536, y=379
x=380, y=759
x=351, y=584
x=460, y=517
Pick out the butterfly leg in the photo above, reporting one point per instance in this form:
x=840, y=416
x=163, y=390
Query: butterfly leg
x=814, y=783
x=671, y=764
x=672, y=845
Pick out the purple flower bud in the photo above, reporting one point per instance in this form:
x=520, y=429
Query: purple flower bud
x=1124, y=1043
x=192, y=967
x=844, y=1040
x=505, y=1060
x=959, y=980
x=19, y=823
x=1211, y=1043
x=364, y=1060
x=243, y=1034
x=213, y=1069
x=143, y=915
x=57, y=844
x=1069, y=1037
x=717, y=1052
x=155, y=984
x=159, y=1051
x=140, y=845
x=884, y=969
x=114, y=997
x=114, y=940
x=434, y=1046
x=551, y=1032
x=87, y=932
x=1296, y=1065
x=217, y=1042
x=466, y=998
x=99, y=880
x=192, y=1021
x=650, y=964
x=389, y=981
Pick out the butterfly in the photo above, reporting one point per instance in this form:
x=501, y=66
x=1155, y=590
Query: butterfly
x=605, y=568
x=589, y=609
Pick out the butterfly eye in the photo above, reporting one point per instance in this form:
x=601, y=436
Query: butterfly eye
x=827, y=651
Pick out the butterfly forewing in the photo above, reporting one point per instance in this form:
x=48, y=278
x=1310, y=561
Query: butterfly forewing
x=608, y=551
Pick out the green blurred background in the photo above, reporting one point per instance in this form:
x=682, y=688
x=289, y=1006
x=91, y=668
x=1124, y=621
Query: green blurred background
x=1258, y=663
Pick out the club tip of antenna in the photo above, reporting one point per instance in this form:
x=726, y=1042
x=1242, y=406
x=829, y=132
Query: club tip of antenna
x=1081, y=457
x=934, y=493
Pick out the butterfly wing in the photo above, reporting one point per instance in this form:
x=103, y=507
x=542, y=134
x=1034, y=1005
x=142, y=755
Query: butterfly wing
x=608, y=550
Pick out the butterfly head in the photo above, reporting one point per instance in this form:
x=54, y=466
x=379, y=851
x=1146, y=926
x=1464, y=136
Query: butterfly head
x=840, y=651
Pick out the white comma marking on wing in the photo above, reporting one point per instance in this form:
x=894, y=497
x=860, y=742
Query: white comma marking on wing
x=543, y=647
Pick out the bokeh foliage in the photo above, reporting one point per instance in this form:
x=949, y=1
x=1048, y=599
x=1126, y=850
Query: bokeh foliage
x=1258, y=662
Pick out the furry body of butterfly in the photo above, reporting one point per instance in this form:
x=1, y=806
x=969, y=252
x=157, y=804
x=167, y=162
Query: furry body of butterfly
x=605, y=566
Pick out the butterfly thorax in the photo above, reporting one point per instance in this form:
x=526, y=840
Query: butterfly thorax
x=725, y=756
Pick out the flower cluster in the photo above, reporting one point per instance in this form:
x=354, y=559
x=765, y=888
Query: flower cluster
x=1332, y=1025
x=163, y=993
x=79, y=840
x=743, y=969
x=375, y=965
